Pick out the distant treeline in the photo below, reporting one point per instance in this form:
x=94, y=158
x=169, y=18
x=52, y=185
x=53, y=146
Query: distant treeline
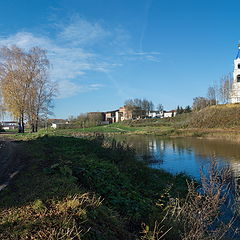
x=85, y=120
x=142, y=104
x=217, y=93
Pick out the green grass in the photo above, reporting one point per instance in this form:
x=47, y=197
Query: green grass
x=119, y=128
x=90, y=188
x=219, y=118
x=112, y=128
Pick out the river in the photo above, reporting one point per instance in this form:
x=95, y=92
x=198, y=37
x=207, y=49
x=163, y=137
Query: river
x=189, y=156
x=184, y=155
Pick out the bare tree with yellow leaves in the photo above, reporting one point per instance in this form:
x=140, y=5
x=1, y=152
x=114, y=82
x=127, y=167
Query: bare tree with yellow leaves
x=26, y=89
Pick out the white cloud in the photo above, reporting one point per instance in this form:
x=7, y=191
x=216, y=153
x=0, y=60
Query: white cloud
x=142, y=56
x=95, y=86
x=72, y=52
x=82, y=32
x=68, y=63
x=145, y=53
x=68, y=88
x=24, y=40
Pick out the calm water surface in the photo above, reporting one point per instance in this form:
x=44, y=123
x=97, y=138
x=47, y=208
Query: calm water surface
x=189, y=155
x=186, y=155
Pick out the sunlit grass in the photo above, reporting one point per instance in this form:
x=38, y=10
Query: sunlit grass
x=93, y=188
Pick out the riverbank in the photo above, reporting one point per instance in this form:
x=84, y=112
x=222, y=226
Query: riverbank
x=85, y=189
x=93, y=188
x=228, y=134
x=214, y=122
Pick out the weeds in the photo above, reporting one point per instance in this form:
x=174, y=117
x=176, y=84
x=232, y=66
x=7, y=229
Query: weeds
x=75, y=188
x=157, y=233
x=51, y=220
x=200, y=214
x=50, y=198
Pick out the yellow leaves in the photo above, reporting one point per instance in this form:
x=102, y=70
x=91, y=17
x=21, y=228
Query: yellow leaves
x=25, y=88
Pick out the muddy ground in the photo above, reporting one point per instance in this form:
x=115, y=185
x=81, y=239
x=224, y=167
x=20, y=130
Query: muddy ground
x=11, y=161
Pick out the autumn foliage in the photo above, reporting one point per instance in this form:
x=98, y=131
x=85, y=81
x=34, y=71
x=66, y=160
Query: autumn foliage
x=25, y=87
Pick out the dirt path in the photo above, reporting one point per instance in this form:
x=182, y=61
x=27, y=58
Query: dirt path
x=122, y=130
x=10, y=161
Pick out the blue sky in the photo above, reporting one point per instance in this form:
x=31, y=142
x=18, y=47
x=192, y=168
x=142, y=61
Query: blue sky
x=103, y=52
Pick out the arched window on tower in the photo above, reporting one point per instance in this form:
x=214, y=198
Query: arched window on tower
x=238, y=78
x=239, y=66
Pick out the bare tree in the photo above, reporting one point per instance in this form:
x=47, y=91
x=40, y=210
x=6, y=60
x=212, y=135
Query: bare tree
x=225, y=87
x=200, y=103
x=2, y=108
x=151, y=106
x=145, y=105
x=134, y=105
x=95, y=117
x=159, y=107
x=42, y=89
x=27, y=92
x=216, y=89
x=14, y=83
x=212, y=95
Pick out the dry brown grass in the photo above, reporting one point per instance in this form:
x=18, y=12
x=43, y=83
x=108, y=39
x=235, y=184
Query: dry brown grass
x=200, y=214
x=49, y=221
x=219, y=116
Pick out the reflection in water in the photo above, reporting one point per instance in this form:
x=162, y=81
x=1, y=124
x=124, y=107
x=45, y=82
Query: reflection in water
x=186, y=155
x=189, y=155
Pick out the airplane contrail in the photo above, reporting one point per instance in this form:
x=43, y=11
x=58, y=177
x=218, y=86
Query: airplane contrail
x=147, y=10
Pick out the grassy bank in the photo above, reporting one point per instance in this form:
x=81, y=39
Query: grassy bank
x=225, y=116
x=90, y=188
x=214, y=121
x=220, y=121
x=129, y=128
x=74, y=188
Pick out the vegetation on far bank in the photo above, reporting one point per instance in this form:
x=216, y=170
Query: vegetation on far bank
x=217, y=121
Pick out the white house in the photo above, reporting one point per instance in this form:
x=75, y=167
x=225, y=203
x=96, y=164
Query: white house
x=58, y=123
x=171, y=113
x=7, y=125
x=235, y=93
x=155, y=114
x=162, y=114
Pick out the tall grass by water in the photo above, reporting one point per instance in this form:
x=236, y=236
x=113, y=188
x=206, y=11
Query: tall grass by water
x=73, y=188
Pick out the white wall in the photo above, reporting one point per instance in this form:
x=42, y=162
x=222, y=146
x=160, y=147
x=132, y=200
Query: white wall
x=235, y=94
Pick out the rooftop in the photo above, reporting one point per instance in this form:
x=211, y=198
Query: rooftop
x=238, y=54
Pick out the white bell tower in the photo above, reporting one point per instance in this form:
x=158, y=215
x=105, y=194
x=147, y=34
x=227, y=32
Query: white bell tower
x=235, y=93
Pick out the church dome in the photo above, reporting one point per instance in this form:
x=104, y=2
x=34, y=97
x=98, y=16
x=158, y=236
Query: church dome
x=238, y=54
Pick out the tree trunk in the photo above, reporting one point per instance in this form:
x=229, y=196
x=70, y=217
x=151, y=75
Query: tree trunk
x=19, y=126
x=32, y=126
x=36, y=126
x=22, y=119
